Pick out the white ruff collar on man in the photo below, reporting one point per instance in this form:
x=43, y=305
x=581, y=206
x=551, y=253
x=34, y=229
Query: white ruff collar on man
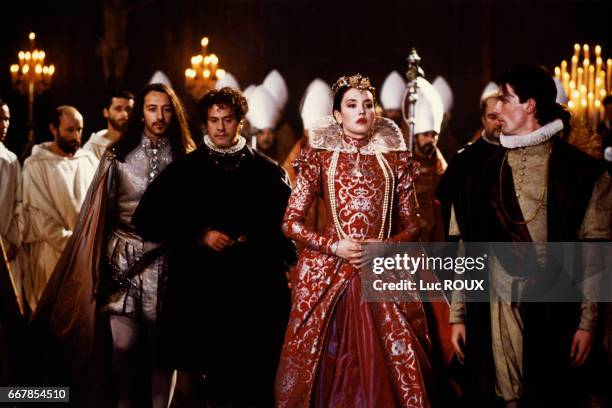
x=326, y=134
x=236, y=147
x=534, y=138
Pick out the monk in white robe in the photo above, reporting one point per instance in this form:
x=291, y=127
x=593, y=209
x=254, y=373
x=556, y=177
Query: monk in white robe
x=56, y=178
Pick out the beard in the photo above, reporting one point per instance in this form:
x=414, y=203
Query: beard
x=427, y=149
x=118, y=125
x=68, y=146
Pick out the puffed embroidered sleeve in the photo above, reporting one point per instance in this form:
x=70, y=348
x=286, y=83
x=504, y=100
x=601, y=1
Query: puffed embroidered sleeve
x=309, y=172
x=407, y=207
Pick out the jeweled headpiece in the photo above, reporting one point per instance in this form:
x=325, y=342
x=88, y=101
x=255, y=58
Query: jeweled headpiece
x=354, y=81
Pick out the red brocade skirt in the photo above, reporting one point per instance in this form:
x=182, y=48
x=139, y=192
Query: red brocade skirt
x=374, y=354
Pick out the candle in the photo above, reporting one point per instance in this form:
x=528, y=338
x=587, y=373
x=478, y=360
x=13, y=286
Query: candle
x=585, y=48
x=597, y=51
x=576, y=50
x=597, y=87
x=591, y=86
x=598, y=64
x=574, y=67
x=585, y=67
x=204, y=44
x=608, y=73
x=580, y=76
x=592, y=117
x=558, y=73
x=14, y=72
x=563, y=69
x=214, y=61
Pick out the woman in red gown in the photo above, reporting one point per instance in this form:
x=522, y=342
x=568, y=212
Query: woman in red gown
x=339, y=350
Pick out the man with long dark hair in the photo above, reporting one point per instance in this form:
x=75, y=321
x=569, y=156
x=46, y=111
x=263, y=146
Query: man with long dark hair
x=534, y=188
x=227, y=304
x=124, y=291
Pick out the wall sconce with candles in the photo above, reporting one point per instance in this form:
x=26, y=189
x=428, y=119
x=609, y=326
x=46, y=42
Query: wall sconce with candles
x=204, y=72
x=31, y=77
x=586, y=84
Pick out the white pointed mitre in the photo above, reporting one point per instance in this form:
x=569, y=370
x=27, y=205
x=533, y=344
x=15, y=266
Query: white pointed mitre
x=490, y=90
x=445, y=92
x=160, y=78
x=277, y=87
x=248, y=91
x=317, y=102
x=263, y=111
x=428, y=109
x=392, y=91
x=229, y=81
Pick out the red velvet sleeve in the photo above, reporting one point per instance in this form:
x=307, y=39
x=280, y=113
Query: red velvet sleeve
x=308, y=168
x=407, y=207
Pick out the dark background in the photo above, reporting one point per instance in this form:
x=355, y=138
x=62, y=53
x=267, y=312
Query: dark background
x=469, y=42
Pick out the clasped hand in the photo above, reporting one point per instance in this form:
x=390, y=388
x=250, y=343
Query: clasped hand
x=351, y=251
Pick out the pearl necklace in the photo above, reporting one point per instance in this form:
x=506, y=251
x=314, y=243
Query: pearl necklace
x=387, y=198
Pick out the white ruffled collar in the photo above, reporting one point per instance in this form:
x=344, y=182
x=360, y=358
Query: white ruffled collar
x=235, y=148
x=534, y=138
x=326, y=134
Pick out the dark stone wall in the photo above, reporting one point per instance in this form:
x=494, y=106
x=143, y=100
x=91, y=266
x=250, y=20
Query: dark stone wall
x=469, y=42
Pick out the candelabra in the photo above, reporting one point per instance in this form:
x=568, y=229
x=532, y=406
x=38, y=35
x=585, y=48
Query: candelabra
x=204, y=71
x=585, y=84
x=31, y=77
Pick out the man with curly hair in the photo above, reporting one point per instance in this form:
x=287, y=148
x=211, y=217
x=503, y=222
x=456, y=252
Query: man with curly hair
x=220, y=209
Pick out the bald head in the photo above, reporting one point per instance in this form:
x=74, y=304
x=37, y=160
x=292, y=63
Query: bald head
x=67, y=128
